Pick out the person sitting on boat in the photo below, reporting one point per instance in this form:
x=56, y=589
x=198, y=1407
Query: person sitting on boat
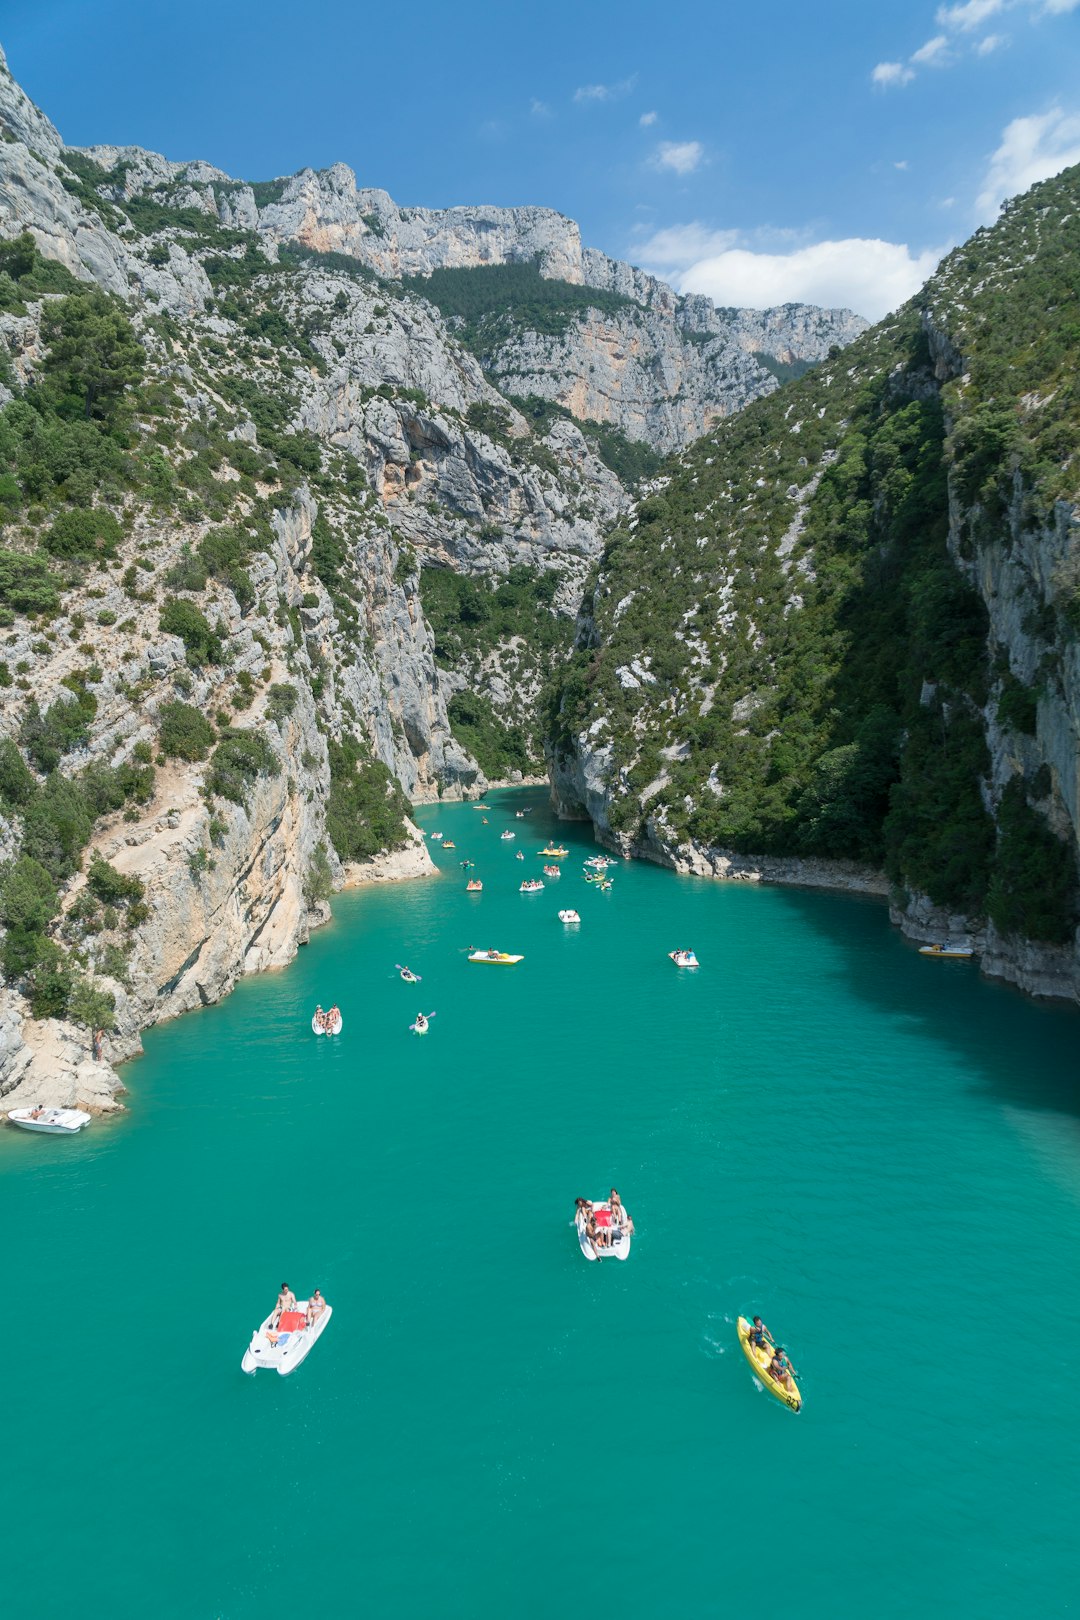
x=759, y=1335
x=36, y=1113
x=618, y=1214
x=780, y=1369
x=320, y=1018
x=285, y=1302
x=421, y=1021
x=595, y=1233
x=315, y=1307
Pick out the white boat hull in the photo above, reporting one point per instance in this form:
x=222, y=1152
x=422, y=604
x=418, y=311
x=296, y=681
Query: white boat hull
x=617, y=1249
x=335, y=1027
x=52, y=1122
x=291, y=1348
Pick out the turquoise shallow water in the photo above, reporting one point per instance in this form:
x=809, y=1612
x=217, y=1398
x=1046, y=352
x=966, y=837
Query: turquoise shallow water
x=875, y=1151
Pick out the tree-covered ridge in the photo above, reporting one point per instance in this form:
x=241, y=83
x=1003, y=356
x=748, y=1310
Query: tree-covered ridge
x=791, y=659
x=489, y=302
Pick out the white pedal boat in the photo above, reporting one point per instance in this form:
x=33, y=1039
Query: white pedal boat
x=684, y=958
x=335, y=1027
x=293, y=1340
x=617, y=1249
x=52, y=1121
x=569, y=917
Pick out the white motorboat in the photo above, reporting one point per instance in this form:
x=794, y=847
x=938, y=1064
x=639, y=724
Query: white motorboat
x=52, y=1121
x=319, y=1029
x=569, y=916
x=283, y=1348
x=618, y=1245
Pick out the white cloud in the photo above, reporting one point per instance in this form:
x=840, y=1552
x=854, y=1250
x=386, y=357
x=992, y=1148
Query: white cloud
x=681, y=156
x=1031, y=149
x=970, y=15
x=992, y=42
x=864, y=274
x=677, y=247
x=539, y=109
x=647, y=119
x=888, y=73
x=901, y=163
x=586, y=93
x=935, y=53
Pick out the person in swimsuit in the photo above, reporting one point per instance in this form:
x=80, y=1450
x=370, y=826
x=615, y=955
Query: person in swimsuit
x=285, y=1302
x=320, y=1018
x=780, y=1369
x=595, y=1233
x=759, y=1335
x=315, y=1307
x=618, y=1213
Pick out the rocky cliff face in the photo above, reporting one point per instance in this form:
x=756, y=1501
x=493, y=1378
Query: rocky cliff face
x=660, y=373
x=307, y=443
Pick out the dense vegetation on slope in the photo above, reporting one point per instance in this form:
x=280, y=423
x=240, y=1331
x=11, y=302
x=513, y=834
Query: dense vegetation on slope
x=473, y=618
x=792, y=660
x=489, y=302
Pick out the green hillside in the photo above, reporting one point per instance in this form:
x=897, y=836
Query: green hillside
x=793, y=656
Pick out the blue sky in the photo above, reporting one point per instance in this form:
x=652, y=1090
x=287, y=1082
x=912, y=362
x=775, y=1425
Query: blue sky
x=761, y=153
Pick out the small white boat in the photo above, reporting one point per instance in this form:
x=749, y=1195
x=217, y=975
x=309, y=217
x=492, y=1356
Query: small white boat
x=954, y=953
x=409, y=976
x=51, y=1121
x=521, y=854
x=284, y=1348
x=421, y=1026
x=553, y=871
x=530, y=886
x=502, y=957
x=507, y=835
x=569, y=916
x=684, y=958
x=434, y=835
x=318, y=1029
x=618, y=1247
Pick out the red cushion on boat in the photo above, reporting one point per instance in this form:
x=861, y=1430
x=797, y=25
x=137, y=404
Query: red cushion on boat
x=603, y=1217
x=292, y=1321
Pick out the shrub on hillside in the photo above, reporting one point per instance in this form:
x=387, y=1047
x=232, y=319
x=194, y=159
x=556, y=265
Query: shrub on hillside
x=184, y=732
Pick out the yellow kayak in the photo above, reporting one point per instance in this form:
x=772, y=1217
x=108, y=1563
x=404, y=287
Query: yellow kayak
x=759, y=1360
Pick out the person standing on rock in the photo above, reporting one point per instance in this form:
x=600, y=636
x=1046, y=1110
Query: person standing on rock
x=99, y=1037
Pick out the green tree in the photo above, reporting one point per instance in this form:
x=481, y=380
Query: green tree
x=184, y=732
x=93, y=354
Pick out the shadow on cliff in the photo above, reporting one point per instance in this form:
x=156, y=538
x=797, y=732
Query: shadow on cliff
x=1022, y=1052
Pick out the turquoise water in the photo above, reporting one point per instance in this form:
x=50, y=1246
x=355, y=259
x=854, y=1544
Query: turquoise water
x=879, y=1153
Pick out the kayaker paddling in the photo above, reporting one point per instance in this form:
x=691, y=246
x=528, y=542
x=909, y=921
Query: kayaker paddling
x=759, y=1335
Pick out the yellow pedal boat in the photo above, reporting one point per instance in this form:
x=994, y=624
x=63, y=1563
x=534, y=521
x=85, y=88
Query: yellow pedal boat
x=956, y=953
x=555, y=849
x=759, y=1360
x=494, y=956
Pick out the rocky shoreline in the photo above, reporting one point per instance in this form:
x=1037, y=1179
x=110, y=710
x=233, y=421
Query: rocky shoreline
x=50, y=1062
x=1044, y=972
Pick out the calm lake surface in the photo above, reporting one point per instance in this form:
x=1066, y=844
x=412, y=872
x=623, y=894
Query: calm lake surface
x=879, y=1153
